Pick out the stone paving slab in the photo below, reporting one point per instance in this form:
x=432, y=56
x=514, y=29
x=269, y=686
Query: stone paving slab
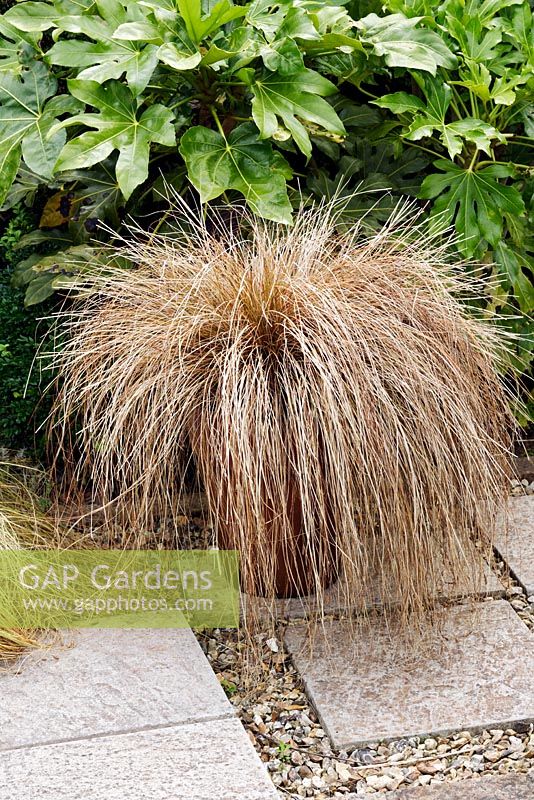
x=333, y=601
x=110, y=681
x=514, y=786
x=480, y=676
x=296, y=608
x=199, y=761
x=515, y=540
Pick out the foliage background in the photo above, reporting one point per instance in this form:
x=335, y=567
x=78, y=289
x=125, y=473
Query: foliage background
x=101, y=101
x=24, y=402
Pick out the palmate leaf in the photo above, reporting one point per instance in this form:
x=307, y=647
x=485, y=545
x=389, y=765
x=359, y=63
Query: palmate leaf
x=44, y=275
x=106, y=61
x=17, y=48
x=24, y=188
x=32, y=16
x=292, y=98
x=118, y=126
x=95, y=195
x=106, y=58
x=431, y=116
x=403, y=44
x=474, y=201
x=240, y=162
x=521, y=29
x=27, y=117
x=9, y=56
x=478, y=32
x=512, y=262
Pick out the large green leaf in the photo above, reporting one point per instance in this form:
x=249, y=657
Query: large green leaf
x=103, y=62
x=403, y=44
x=266, y=17
x=26, y=122
x=431, y=117
x=478, y=30
x=511, y=262
x=242, y=162
x=43, y=275
x=17, y=49
x=107, y=57
x=295, y=99
x=30, y=16
x=474, y=201
x=118, y=126
x=521, y=29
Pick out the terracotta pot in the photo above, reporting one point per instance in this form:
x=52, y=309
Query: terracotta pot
x=294, y=558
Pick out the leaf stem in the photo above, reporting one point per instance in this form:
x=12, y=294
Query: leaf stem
x=369, y=94
x=217, y=121
x=421, y=147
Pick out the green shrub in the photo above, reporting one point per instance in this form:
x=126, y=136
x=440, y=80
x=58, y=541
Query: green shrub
x=100, y=100
x=461, y=138
x=21, y=385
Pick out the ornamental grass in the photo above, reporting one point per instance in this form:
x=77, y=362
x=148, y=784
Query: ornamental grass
x=336, y=395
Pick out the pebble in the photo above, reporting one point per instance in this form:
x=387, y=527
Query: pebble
x=343, y=772
x=522, y=487
x=493, y=755
x=430, y=767
x=378, y=781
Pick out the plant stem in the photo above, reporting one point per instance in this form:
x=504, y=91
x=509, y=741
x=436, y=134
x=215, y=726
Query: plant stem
x=217, y=121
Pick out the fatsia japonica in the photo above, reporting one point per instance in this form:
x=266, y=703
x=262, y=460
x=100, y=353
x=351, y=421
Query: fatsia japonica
x=103, y=102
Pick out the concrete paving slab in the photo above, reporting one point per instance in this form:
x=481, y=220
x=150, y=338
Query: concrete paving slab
x=479, y=676
x=198, y=761
x=515, y=540
x=449, y=590
x=333, y=601
x=110, y=681
x=514, y=786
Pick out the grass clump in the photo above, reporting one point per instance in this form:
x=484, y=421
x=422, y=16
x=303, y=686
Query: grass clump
x=24, y=524
x=341, y=405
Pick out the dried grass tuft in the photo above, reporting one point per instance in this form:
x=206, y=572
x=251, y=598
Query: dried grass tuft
x=323, y=383
x=23, y=525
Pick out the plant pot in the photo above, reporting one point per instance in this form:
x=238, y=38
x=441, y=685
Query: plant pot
x=299, y=563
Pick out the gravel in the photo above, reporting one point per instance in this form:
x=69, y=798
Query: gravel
x=522, y=487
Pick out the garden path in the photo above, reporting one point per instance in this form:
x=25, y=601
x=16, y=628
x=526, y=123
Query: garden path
x=126, y=714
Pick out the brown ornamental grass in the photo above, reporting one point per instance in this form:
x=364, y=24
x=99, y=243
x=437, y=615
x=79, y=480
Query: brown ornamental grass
x=340, y=402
